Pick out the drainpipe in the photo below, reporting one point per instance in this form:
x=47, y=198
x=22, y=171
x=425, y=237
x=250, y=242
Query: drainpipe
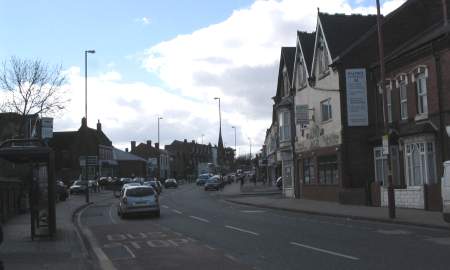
x=295, y=175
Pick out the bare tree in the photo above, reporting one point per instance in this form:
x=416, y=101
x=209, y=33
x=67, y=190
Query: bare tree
x=31, y=87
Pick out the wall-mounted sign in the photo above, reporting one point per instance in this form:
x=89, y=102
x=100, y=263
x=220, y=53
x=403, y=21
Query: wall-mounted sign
x=357, y=112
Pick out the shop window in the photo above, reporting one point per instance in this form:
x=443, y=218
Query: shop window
x=308, y=171
x=328, y=170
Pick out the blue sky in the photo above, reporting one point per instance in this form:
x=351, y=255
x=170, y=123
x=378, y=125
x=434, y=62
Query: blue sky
x=60, y=31
x=168, y=58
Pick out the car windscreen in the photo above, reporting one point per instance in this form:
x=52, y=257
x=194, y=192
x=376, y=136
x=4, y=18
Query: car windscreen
x=213, y=180
x=139, y=192
x=204, y=177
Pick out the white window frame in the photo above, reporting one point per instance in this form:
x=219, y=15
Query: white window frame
x=323, y=57
x=403, y=93
x=328, y=115
x=425, y=150
x=284, y=126
x=300, y=74
x=379, y=157
x=422, y=98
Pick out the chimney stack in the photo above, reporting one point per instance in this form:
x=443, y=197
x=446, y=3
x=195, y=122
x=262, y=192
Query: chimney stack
x=157, y=145
x=126, y=149
x=83, y=122
x=99, y=126
x=133, y=145
x=185, y=141
x=149, y=143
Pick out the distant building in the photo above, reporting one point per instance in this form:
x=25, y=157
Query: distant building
x=185, y=157
x=129, y=165
x=85, y=152
x=154, y=157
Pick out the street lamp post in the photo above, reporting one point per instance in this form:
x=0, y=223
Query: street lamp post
x=250, y=141
x=85, y=81
x=158, y=173
x=235, y=150
x=391, y=194
x=220, y=115
x=203, y=135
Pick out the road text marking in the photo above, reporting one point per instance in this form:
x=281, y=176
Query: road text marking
x=200, y=219
x=325, y=251
x=253, y=211
x=165, y=206
x=176, y=211
x=241, y=230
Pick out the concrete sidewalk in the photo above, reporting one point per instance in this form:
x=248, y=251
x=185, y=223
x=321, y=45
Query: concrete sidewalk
x=65, y=251
x=233, y=193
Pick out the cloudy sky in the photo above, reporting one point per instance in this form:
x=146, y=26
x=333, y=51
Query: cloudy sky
x=167, y=58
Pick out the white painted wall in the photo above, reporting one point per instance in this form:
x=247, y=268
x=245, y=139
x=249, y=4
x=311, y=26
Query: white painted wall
x=331, y=129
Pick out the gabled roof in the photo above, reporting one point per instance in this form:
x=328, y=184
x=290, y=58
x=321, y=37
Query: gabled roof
x=342, y=30
x=409, y=26
x=287, y=58
x=124, y=156
x=307, y=46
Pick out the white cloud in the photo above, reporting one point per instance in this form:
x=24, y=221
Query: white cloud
x=236, y=59
x=143, y=20
x=218, y=60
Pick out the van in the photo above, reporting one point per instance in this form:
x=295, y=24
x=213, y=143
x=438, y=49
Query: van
x=445, y=182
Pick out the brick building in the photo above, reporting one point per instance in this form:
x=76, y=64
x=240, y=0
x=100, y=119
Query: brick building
x=129, y=165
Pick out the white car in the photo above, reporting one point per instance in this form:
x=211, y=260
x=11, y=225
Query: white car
x=138, y=199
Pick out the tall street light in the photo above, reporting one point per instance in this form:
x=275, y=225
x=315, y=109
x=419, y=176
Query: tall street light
x=159, y=118
x=250, y=141
x=235, y=150
x=203, y=135
x=220, y=116
x=85, y=81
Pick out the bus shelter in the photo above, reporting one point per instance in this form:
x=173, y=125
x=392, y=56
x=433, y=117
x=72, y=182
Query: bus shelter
x=42, y=193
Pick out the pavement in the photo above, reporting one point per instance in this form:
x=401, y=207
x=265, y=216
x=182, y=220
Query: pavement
x=268, y=197
x=64, y=251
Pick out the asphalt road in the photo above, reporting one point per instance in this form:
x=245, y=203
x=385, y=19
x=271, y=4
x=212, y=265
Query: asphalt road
x=200, y=230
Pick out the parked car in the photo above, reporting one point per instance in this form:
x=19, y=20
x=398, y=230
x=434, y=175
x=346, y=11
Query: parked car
x=170, y=183
x=213, y=183
x=279, y=182
x=61, y=191
x=155, y=184
x=202, y=179
x=78, y=187
x=132, y=184
x=138, y=200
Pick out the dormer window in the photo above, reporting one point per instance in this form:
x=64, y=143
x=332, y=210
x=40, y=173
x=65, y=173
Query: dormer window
x=285, y=82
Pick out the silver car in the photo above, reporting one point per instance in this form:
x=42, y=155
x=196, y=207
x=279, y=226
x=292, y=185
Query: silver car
x=138, y=199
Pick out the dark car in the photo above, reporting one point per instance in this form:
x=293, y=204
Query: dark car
x=213, y=183
x=78, y=187
x=61, y=191
x=155, y=184
x=279, y=182
x=170, y=183
x=202, y=178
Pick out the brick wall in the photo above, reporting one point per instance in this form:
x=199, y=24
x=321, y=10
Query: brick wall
x=410, y=197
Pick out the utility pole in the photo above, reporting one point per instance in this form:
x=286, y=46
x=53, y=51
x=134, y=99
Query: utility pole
x=391, y=194
x=85, y=81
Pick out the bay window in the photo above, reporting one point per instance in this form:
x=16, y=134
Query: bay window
x=422, y=101
x=284, y=126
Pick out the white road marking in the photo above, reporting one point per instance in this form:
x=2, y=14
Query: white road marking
x=110, y=215
x=165, y=206
x=176, y=211
x=200, y=219
x=129, y=251
x=210, y=247
x=191, y=239
x=253, y=211
x=325, y=251
x=105, y=262
x=241, y=230
x=231, y=257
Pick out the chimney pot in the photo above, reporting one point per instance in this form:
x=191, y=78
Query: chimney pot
x=185, y=141
x=149, y=143
x=83, y=122
x=157, y=145
x=99, y=126
x=126, y=149
x=133, y=145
